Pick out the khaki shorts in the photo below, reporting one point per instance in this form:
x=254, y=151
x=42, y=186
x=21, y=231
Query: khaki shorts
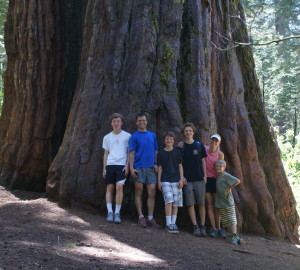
x=194, y=193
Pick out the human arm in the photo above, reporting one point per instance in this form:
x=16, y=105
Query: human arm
x=106, y=152
x=182, y=180
x=204, y=170
x=220, y=155
x=126, y=167
x=159, y=186
x=237, y=183
x=233, y=185
x=131, y=162
x=155, y=161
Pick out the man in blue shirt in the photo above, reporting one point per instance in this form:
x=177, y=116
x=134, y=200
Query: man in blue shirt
x=142, y=160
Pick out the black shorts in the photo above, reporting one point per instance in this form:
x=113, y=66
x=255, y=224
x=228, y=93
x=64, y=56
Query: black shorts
x=211, y=185
x=114, y=174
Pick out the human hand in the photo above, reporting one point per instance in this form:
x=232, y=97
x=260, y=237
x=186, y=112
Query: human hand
x=180, y=144
x=125, y=169
x=180, y=183
x=104, y=173
x=155, y=168
x=159, y=186
x=134, y=173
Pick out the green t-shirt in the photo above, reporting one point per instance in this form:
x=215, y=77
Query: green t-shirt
x=223, y=198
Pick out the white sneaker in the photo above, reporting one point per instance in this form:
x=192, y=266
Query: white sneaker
x=117, y=218
x=110, y=217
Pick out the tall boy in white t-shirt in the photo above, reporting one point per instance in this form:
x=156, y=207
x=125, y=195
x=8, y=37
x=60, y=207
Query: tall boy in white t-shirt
x=115, y=165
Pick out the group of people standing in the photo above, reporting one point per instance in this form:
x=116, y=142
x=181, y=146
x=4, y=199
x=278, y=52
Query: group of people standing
x=190, y=170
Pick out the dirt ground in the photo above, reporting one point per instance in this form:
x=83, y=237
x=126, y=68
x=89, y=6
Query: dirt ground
x=37, y=234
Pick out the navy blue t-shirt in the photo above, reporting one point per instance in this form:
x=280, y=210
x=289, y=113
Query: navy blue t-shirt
x=192, y=161
x=169, y=160
x=145, y=145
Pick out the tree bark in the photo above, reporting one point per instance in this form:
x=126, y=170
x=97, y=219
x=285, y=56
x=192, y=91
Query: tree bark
x=157, y=57
x=43, y=47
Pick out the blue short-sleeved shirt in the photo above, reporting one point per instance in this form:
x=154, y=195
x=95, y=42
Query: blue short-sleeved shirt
x=144, y=144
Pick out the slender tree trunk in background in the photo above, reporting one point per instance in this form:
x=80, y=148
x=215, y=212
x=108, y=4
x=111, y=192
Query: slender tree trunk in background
x=158, y=57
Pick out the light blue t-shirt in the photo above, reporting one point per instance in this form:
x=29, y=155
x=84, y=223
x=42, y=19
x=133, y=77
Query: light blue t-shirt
x=144, y=144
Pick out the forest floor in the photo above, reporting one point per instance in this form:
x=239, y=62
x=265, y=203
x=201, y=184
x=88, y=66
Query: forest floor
x=37, y=234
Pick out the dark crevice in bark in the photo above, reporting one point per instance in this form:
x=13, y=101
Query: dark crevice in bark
x=154, y=66
x=72, y=15
x=184, y=65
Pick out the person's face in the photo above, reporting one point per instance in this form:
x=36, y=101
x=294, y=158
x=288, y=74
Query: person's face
x=141, y=122
x=220, y=167
x=169, y=141
x=188, y=132
x=214, y=142
x=116, y=123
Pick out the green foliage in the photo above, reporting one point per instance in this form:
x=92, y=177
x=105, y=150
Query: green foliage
x=167, y=71
x=278, y=70
x=291, y=161
x=3, y=12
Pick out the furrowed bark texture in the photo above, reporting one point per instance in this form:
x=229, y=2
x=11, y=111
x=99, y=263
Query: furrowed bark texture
x=160, y=57
x=42, y=51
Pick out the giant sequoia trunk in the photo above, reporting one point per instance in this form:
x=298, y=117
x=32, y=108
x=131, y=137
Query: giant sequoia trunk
x=161, y=57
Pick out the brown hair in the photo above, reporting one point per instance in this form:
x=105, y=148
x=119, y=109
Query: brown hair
x=115, y=115
x=169, y=134
x=188, y=124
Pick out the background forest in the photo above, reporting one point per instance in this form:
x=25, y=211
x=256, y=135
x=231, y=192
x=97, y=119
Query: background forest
x=277, y=66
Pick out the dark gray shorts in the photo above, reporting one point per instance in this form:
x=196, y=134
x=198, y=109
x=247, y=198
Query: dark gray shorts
x=194, y=193
x=145, y=176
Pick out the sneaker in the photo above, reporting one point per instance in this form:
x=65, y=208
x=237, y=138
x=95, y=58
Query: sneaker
x=175, y=228
x=213, y=233
x=203, y=231
x=117, y=218
x=153, y=223
x=110, y=217
x=222, y=234
x=196, y=231
x=170, y=228
x=142, y=222
x=235, y=240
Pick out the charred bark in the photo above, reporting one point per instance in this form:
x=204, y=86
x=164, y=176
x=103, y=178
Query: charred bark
x=156, y=57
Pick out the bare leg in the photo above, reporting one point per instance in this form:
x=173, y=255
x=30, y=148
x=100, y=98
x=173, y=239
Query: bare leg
x=151, y=190
x=109, y=193
x=138, y=188
x=217, y=213
x=174, y=210
x=192, y=214
x=168, y=209
x=209, y=202
x=119, y=193
x=232, y=229
x=202, y=214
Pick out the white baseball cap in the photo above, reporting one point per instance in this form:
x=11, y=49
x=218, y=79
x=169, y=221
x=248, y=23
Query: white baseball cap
x=216, y=136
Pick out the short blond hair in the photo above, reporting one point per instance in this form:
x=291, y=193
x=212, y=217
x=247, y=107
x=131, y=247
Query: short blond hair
x=221, y=161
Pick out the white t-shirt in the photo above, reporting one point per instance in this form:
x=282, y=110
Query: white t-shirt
x=117, y=146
